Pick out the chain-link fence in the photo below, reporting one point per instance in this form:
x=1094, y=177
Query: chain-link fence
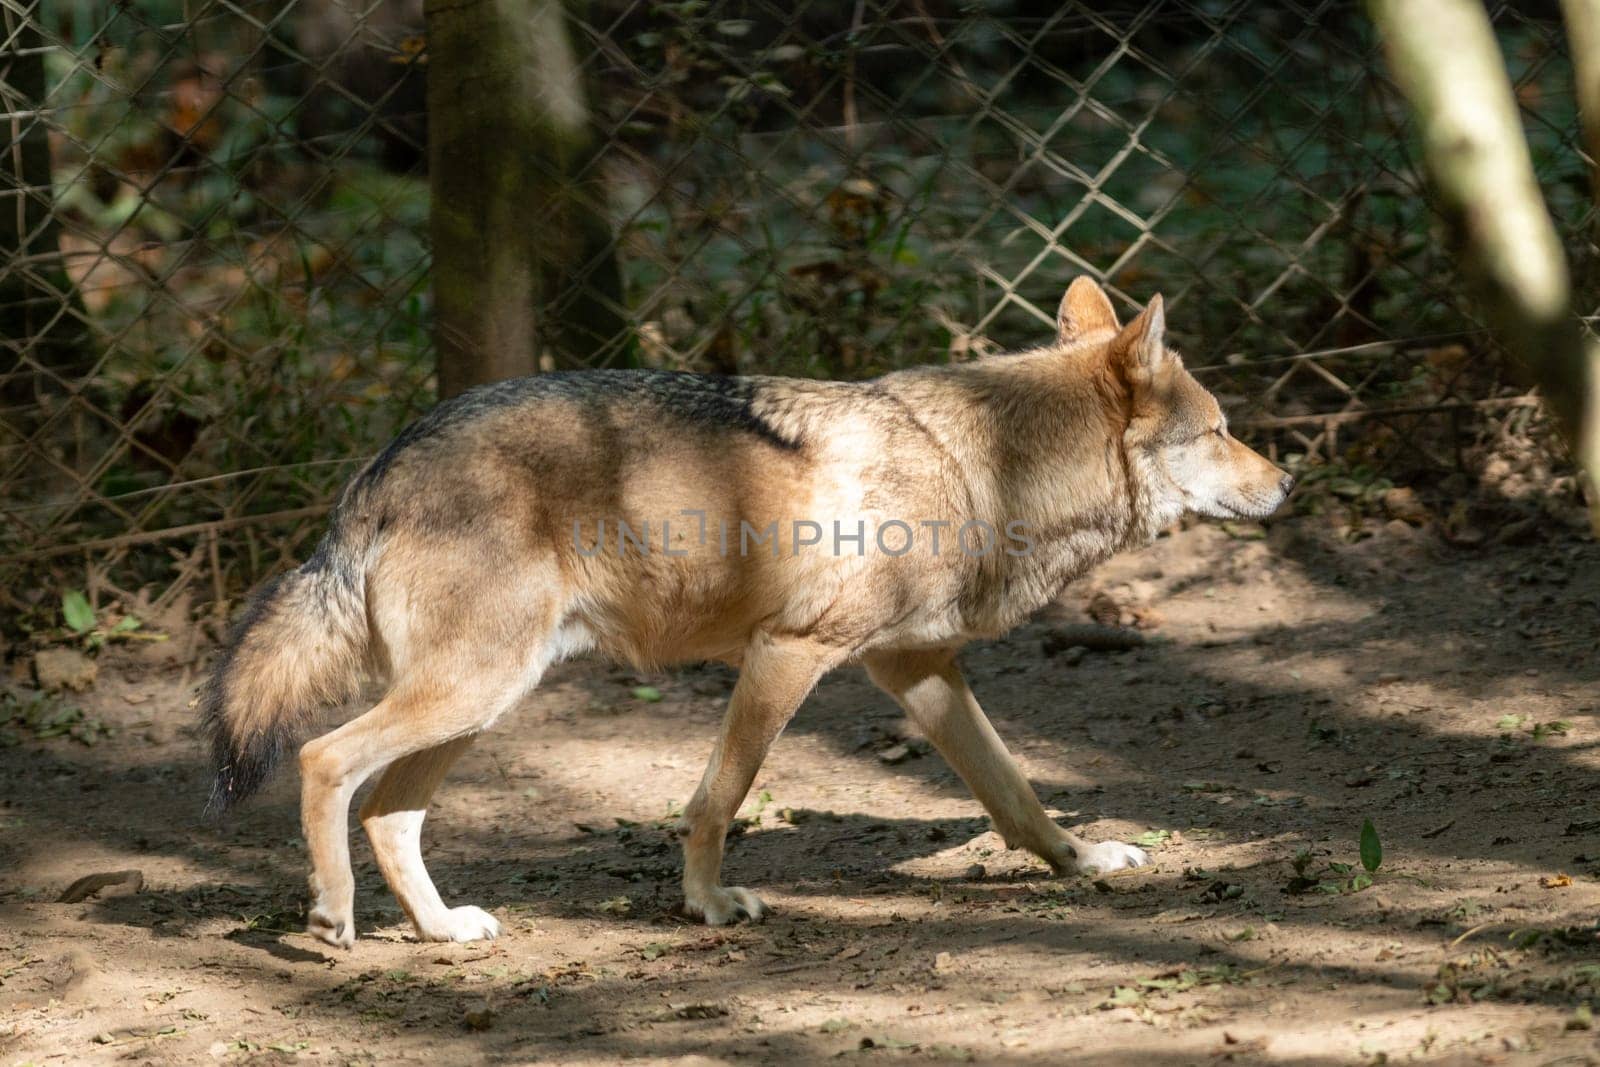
x=215, y=298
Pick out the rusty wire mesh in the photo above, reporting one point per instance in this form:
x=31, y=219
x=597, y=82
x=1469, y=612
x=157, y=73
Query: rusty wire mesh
x=214, y=293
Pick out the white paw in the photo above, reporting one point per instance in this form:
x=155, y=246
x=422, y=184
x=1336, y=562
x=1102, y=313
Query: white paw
x=1110, y=856
x=465, y=923
x=338, y=931
x=719, y=906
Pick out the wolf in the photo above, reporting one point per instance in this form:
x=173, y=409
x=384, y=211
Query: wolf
x=472, y=553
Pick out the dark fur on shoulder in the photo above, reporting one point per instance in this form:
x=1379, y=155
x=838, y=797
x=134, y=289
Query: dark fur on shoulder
x=710, y=401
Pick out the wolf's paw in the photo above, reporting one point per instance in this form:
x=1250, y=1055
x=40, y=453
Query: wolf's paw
x=719, y=905
x=338, y=931
x=465, y=923
x=1110, y=856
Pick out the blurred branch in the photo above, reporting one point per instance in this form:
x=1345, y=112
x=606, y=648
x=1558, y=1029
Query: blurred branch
x=1448, y=65
x=1583, y=33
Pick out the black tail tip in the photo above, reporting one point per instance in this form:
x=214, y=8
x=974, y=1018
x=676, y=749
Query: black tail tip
x=240, y=775
x=241, y=771
x=225, y=794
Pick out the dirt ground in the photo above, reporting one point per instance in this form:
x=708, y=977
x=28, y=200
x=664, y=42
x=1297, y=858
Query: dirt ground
x=1290, y=688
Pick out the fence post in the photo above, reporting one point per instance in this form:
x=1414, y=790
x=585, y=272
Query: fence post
x=523, y=263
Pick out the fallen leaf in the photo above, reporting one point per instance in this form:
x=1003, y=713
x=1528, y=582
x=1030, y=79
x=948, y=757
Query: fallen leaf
x=92, y=884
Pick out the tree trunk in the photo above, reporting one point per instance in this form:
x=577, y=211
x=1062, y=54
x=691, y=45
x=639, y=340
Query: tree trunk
x=44, y=348
x=1448, y=65
x=524, y=265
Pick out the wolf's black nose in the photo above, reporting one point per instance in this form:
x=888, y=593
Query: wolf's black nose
x=1286, y=484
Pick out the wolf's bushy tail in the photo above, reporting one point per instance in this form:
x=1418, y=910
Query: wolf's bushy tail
x=300, y=646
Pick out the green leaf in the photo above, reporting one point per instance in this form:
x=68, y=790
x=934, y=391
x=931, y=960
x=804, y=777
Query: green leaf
x=1123, y=997
x=126, y=624
x=76, y=610
x=647, y=693
x=1371, y=847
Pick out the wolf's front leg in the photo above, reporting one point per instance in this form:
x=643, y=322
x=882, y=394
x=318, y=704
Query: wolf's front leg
x=929, y=686
x=775, y=677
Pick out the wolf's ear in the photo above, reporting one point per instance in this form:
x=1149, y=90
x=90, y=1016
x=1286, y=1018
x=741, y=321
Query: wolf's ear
x=1141, y=346
x=1084, y=309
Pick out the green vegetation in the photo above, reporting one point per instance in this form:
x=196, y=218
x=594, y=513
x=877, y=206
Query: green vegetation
x=250, y=244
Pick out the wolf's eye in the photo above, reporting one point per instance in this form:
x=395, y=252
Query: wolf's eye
x=1220, y=431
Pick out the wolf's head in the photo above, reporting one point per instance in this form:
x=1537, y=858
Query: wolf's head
x=1180, y=454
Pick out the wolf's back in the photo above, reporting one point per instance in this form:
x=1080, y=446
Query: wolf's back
x=300, y=646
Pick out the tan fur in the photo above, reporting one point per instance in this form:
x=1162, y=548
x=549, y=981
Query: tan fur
x=473, y=583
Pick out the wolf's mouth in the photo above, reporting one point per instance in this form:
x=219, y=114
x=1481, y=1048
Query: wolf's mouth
x=1247, y=511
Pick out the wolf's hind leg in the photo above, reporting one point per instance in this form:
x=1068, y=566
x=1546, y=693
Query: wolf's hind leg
x=929, y=686
x=454, y=696
x=392, y=816
x=773, y=680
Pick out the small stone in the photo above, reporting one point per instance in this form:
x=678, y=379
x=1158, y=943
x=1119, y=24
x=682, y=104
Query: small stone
x=976, y=872
x=898, y=753
x=479, y=1018
x=944, y=962
x=64, y=668
x=1520, y=532
x=1404, y=504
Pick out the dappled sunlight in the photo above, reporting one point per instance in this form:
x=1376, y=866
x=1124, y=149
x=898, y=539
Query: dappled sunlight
x=1244, y=759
